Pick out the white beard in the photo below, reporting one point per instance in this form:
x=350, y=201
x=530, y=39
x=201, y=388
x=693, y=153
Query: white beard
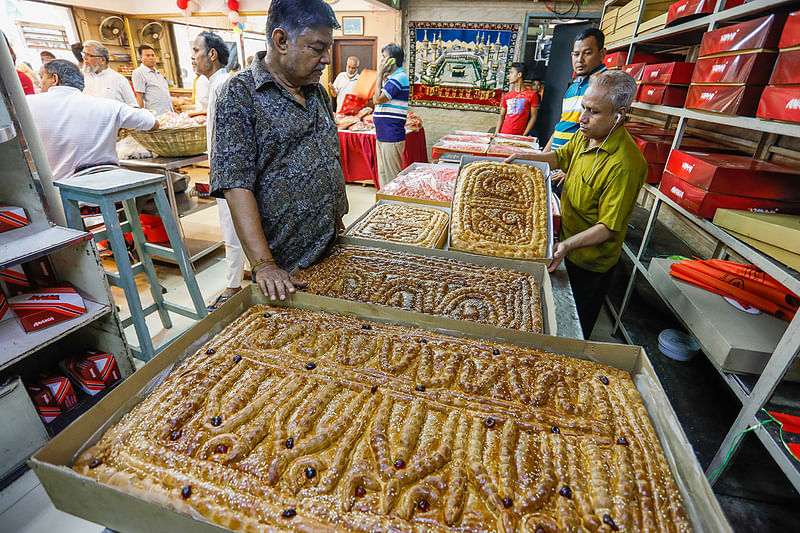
x=90, y=70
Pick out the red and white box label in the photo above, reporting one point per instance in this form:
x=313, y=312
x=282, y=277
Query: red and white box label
x=12, y=217
x=47, y=307
x=62, y=390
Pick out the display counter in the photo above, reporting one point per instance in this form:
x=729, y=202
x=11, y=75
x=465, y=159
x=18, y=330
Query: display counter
x=360, y=160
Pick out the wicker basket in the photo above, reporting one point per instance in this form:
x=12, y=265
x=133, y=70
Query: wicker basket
x=173, y=142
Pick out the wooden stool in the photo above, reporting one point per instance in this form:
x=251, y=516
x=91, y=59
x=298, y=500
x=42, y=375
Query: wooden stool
x=105, y=188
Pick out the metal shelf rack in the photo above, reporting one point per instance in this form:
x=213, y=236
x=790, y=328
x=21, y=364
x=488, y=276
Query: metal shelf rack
x=753, y=398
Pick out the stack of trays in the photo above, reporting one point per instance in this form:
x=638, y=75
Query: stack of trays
x=735, y=63
x=779, y=101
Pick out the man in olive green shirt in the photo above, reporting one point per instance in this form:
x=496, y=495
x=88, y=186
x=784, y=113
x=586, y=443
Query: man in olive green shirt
x=605, y=171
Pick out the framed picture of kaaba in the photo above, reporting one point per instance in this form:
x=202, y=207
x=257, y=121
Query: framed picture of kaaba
x=460, y=65
x=352, y=25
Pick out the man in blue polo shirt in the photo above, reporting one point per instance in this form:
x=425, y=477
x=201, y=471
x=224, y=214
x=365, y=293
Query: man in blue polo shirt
x=391, y=108
x=588, y=53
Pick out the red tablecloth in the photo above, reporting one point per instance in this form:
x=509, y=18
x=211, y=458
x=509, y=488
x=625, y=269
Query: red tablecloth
x=360, y=162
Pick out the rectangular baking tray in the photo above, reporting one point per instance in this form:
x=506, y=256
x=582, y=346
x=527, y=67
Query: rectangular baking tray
x=537, y=270
x=440, y=243
x=84, y=497
x=545, y=168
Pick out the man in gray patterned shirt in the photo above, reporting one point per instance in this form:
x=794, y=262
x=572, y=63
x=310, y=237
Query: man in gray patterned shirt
x=276, y=148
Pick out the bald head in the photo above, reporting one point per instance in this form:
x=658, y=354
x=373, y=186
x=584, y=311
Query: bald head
x=352, y=65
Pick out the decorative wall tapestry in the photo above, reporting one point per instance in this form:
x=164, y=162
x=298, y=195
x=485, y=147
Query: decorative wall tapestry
x=460, y=65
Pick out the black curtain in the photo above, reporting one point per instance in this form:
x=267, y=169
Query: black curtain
x=557, y=78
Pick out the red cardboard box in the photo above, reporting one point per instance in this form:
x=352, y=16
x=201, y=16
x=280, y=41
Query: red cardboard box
x=47, y=307
x=654, y=172
x=657, y=149
x=645, y=129
x=735, y=174
x=739, y=100
x=787, y=69
x=674, y=73
x=780, y=103
x=791, y=31
x=618, y=59
x=93, y=371
x=752, y=68
x=12, y=217
x=704, y=204
x=5, y=309
x=44, y=401
x=635, y=70
x=14, y=280
x=62, y=391
x=754, y=34
x=689, y=8
x=674, y=95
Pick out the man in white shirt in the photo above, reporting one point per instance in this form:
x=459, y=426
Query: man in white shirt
x=345, y=81
x=210, y=54
x=79, y=131
x=150, y=86
x=102, y=81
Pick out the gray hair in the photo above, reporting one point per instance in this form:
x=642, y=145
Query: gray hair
x=358, y=61
x=295, y=16
x=97, y=48
x=620, y=85
x=68, y=73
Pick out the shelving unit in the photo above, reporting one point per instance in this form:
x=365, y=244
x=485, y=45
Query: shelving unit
x=754, y=392
x=23, y=182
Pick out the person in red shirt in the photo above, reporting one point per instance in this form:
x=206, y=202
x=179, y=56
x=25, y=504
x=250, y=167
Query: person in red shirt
x=519, y=105
x=24, y=80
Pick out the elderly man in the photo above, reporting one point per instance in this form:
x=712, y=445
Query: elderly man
x=79, y=131
x=604, y=172
x=275, y=156
x=345, y=81
x=149, y=85
x=209, y=56
x=391, y=109
x=101, y=81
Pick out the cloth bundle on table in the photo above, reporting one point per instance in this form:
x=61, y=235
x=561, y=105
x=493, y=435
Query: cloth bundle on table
x=359, y=155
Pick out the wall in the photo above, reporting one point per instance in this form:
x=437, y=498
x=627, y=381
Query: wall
x=439, y=122
x=385, y=25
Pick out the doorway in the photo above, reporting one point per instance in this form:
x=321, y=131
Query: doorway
x=364, y=48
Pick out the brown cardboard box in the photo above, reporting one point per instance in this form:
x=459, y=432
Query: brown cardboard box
x=78, y=495
x=441, y=240
x=656, y=23
x=787, y=258
x=782, y=231
x=732, y=339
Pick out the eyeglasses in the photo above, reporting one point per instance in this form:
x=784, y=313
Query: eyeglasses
x=84, y=54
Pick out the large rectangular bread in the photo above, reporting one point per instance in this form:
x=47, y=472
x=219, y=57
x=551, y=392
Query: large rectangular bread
x=402, y=223
x=293, y=420
x=500, y=209
x=430, y=285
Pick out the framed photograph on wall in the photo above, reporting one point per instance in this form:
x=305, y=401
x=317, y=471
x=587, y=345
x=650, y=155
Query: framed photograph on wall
x=353, y=25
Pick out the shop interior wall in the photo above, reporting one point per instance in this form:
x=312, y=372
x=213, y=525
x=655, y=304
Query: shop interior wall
x=439, y=122
x=385, y=25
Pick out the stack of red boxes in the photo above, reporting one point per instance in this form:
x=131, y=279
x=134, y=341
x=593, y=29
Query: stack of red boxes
x=617, y=60
x=735, y=63
x=703, y=182
x=635, y=70
x=52, y=395
x=665, y=83
x=656, y=143
x=684, y=9
x=781, y=99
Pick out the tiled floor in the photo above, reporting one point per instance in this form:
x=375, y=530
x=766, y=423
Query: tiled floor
x=24, y=505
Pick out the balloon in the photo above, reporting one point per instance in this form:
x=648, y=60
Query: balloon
x=182, y=4
x=233, y=16
x=233, y=5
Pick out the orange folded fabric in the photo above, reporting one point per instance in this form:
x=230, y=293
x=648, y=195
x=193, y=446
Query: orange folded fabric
x=712, y=283
x=781, y=297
